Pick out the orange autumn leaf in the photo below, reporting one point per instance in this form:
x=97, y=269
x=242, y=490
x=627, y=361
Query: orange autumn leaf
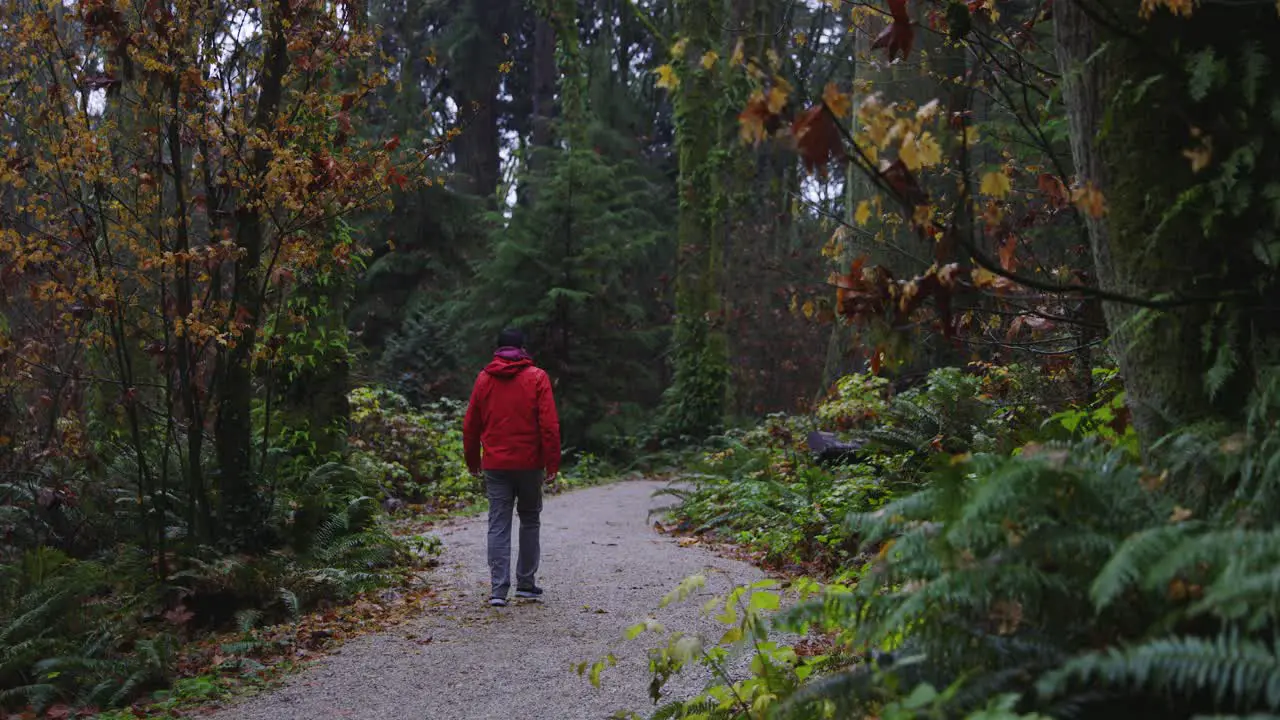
x=754, y=119
x=1053, y=190
x=1089, y=200
x=839, y=102
x=1008, y=251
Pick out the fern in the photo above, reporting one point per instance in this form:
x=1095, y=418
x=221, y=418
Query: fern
x=290, y=600
x=1133, y=561
x=706, y=709
x=1242, y=673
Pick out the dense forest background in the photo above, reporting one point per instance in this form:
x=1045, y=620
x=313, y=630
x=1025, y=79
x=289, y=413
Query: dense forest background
x=1015, y=258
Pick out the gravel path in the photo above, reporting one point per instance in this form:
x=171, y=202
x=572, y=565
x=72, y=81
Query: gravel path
x=603, y=568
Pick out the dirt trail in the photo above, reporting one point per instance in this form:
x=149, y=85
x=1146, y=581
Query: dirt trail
x=603, y=568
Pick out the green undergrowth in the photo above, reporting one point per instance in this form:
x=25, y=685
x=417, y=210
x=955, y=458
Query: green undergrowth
x=763, y=489
x=1036, y=570
x=343, y=552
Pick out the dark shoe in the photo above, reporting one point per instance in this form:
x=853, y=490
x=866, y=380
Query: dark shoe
x=532, y=592
x=497, y=602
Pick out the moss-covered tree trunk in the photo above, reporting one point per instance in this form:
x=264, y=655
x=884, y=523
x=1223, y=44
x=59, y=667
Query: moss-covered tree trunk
x=1135, y=89
x=695, y=402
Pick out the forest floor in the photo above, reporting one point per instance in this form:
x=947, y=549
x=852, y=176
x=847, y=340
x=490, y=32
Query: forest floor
x=604, y=568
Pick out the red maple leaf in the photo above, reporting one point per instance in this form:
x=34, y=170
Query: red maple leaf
x=903, y=183
x=817, y=138
x=900, y=35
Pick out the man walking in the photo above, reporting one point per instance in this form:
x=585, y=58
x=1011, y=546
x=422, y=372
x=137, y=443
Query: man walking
x=512, y=416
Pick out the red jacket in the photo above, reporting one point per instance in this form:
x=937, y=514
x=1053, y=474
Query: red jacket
x=512, y=415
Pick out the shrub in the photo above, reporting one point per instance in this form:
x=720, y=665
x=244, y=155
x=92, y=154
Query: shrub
x=409, y=453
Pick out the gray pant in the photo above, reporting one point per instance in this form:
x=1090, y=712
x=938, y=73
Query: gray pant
x=523, y=490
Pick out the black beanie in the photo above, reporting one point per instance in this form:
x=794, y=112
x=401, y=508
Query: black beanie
x=511, y=338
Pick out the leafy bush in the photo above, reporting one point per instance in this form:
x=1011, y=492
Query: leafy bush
x=1105, y=418
x=762, y=487
x=409, y=453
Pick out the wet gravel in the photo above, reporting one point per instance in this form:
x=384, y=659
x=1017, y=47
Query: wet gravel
x=604, y=568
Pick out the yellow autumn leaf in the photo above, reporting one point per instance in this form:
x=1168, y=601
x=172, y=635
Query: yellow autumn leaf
x=929, y=149
x=739, y=49
x=910, y=153
x=667, y=78
x=995, y=184
x=431, y=57
x=677, y=50
x=918, y=152
x=835, y=245
x=863, y=213
x=778, y=95
x=983, y=277
x=709, y=59
x=971, y=135
x=808, y=309
x=800, y=39
x=838, y=102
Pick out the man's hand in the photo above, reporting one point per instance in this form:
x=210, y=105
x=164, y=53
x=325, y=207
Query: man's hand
x=551, y=478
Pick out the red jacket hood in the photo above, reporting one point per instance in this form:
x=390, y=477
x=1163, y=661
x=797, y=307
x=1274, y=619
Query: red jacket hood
x=508, y=362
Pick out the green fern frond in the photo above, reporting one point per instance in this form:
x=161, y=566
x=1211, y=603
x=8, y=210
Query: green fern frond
x=291, y=603
x=1242, y=673
x=1133, y=561
x=1237, y=595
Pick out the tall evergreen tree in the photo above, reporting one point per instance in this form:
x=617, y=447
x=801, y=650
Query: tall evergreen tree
x=565, y=267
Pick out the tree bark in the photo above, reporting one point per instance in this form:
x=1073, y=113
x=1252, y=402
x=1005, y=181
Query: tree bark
x=1131, y=116
x=544, y=81
x=477, y=78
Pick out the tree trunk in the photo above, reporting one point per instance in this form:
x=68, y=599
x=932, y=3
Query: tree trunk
x=695, y=402
x=544, y=82
x=234, y=427
x=1131, y=117
x=475, y=68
